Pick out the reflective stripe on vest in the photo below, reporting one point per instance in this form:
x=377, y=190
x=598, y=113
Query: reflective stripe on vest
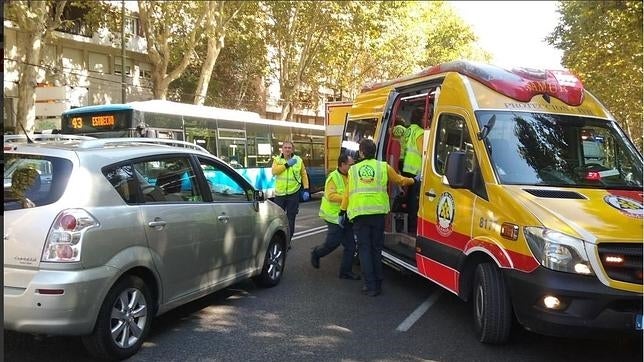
x=288, y=182
x=329, y=210
x=413, y=156
x=368, y=189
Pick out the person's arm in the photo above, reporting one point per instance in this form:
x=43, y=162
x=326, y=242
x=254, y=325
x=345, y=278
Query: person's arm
x=331, y=192
x=419, y=144
x=277, y=168
x=394, y=177
x=305, y=177
x=345, y=196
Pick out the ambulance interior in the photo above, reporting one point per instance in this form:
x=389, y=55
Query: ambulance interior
x=412, y=106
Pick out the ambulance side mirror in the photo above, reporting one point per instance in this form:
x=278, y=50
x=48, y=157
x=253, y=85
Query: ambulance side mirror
x=456, y=172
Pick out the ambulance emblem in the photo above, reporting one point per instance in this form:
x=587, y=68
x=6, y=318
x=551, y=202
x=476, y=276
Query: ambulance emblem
x=366, y=174
x=445, y=214
x=627, y=206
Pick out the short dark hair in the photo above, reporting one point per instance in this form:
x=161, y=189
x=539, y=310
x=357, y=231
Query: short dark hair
x=343, y=158
x=368, y=148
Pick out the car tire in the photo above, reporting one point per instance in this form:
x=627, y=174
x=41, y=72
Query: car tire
x=274, y=262
x=127, y=307
x=491, y=305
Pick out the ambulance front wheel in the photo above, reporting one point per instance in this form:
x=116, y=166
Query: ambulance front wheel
x=491, y=302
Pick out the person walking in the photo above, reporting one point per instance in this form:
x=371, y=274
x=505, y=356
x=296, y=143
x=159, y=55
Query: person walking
x=334, y=188
x=366, y=203
x=290, y=177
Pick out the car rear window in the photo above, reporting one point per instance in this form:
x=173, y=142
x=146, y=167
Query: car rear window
x=33, y=181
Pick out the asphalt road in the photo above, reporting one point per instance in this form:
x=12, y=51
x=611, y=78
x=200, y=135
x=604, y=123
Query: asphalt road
x=312, y=315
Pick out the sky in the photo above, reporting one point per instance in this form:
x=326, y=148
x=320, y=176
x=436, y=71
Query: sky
x=513, y=31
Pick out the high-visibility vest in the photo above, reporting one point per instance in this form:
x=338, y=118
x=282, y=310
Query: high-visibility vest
x=368, y=189
x=413, y=156
x=289, y=181
x=329, y=210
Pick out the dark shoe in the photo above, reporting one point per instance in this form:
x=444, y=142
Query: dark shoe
x=364, y=289
x=350, y=276
x=373, y=293
x=315, y=260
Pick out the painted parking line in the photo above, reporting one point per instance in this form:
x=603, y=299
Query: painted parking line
x=415, y=315
x=309, y=232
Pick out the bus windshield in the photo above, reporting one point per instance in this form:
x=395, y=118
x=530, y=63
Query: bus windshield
x=559, y=150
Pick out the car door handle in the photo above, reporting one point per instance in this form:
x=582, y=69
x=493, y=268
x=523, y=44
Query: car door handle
x=430, y=193
x=223, y=218
x=157, y=223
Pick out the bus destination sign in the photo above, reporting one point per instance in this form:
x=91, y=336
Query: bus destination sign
x=103, y=121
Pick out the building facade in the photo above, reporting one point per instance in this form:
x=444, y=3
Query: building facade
x=81, y=67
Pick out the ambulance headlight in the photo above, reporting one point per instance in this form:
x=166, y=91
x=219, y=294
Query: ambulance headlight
x=558, y=251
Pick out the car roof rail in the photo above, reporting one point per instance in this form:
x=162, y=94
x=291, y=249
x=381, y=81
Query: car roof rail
x=100, y=142
x=42, y=137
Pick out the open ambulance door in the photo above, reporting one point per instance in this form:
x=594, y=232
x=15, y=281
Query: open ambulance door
x=408, y=105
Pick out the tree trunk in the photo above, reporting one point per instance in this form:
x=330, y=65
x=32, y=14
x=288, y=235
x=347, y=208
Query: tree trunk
x=158, y=90
x=26, y=113
x=214, y=47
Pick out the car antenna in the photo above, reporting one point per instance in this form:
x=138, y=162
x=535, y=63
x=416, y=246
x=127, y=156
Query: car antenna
x=29, y=140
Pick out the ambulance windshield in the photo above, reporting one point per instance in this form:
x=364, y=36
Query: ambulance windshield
x=559, y=150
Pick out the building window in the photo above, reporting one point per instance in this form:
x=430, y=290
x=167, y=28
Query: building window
x=145, y=72
x=117, y=66
x=98, y=63
x=133, y=26
x=72, y=59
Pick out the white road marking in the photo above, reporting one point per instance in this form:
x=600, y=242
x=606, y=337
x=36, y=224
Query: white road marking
x=415, y=315
x=309, y=232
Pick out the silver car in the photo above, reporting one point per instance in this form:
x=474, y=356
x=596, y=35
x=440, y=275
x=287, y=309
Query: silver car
x=118, y=231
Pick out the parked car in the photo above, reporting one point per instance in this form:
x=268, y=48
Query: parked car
x=125, y=230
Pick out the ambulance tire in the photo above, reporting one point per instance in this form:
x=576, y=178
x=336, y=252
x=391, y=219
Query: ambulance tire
x=491, y=305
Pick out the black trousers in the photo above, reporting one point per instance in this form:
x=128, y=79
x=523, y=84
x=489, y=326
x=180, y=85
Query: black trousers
x=413, y=194
x=290, y=204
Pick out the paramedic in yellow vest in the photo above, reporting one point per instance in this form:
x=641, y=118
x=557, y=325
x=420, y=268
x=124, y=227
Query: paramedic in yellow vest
x=334, y=187
x=290, y=177
x=366, y=203
x=398, y=132
x=412, y=165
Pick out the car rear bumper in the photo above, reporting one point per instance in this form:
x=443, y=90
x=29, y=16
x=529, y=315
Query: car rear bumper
x=590, y=308
x=73, y=312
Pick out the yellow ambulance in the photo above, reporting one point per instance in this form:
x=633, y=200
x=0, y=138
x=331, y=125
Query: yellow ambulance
x=530, y=204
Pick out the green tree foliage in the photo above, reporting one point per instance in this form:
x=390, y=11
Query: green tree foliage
x=37, y=19
x=602, y=44
x=236, y=81
x=37, y=22
x=170, y=29
x=387, y=40
x=310, y=46
x=300, y=35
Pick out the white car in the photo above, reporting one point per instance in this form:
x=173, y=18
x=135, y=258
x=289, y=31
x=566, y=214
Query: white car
x=124, y=230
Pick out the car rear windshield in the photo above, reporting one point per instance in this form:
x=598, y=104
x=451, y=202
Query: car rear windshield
x=33, y=181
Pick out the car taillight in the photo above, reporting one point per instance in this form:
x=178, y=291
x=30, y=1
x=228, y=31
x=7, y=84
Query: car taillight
x=65, y=237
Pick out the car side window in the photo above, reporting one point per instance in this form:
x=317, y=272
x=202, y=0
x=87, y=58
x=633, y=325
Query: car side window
x=224, y=186
x=167, y=179
x=123, y=180
x=452, y=135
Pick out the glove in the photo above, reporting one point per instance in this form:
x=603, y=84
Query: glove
x=417, y=178
x=305, y=195
x=343, y=219
x=290, y=162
